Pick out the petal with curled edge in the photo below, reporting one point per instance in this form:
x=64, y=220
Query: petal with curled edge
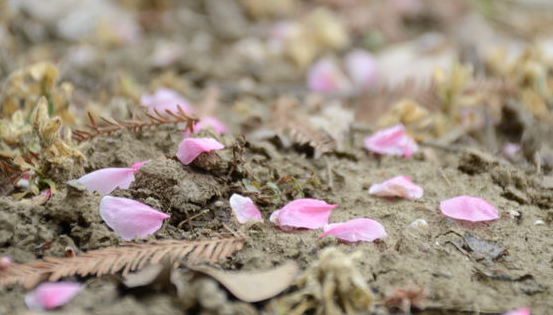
x=469, y=208
x=190, y=148
x=356, y=230
x=50, y=295
x=303, y=213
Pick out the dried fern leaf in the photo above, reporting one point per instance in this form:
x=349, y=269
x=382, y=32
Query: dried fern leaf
x=126, y=258
x=134, y=125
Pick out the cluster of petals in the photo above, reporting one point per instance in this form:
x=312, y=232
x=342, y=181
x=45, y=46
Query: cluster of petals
x=244, y=209
x=190, y=148
x=107, y=179
x=205, y=123
x=355, y=230
x=469, y=208
x=399, y=186
x=520, y=311
x=303, y=213
x=165, y=99
x=50, y=295
x=392, y=141
x=130, y=218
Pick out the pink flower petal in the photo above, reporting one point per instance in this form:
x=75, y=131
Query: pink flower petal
x=50, y=295
x=190, y=148
x=164, y=99
x=510, y=150
x=399, y=186
x=107, y=179
x=469, y=208
x=5, y=262
x=520, y=311
x=325, y=76
x=392, y=141
x=130, y=218
x=356, y=230
x=207, y=122
x=361, y=68
x=244, y=209
x=303, y=213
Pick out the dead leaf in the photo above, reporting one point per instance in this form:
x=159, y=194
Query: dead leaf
x=253, y=286
x=479, y=246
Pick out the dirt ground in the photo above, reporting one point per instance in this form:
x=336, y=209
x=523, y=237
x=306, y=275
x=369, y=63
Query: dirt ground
x=463, y=268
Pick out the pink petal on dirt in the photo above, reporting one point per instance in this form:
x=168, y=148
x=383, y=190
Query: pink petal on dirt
x=244, y=209
x=107, y=179
x=392, y=141
x=190, y=148
x=164, y=99
x=468, y=208
x=303, y=213
x=207, y=122
x=325, y=76
x=520, y=311
x=399, y=186
x=130, y=218
x=361, y=68
x=510, y=150
x=5, y=262
x=355, y=230
x=50, y=295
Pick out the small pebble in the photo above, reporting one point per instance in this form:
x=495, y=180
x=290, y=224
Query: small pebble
x=539, y=222
x=514, y=214
x=219, y=204
x=419, y=223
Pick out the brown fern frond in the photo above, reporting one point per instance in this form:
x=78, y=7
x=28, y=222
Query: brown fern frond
x=134, y=125
x=126, y=258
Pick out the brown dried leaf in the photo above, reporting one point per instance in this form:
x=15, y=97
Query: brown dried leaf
x=125, y=258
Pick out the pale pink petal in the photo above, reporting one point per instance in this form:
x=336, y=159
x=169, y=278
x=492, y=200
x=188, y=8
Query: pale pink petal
x=520, y=311
x=303, y=213
x=325, y=76
x=468, y=208
x=392, y=141
x=244, y=209
x=399, y=186
x=355, y=230
x=207, y=122
x=510, y=150
x=190, y=148
x=50, y=295
x=5, y=262
x=107, y=179
x=361, y=68
x=164, y=99
x=130, y=218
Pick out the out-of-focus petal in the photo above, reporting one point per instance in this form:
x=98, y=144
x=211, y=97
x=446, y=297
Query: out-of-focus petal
x=208, y=122
x=392, y=141
x=361, y=68
x=399, y=186
x=5, y=262
x=303, y=213
x=510, y=150
x=50, y=295
x=107, y=179
x=355, y=230
x=130, y=218
x=520, y=311
x=469, y=208
x=190, y=148
x=326, y=76
x=244, y=209
x=164, y=99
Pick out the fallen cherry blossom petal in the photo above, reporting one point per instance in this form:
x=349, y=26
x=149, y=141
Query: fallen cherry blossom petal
x=399, y=186
x=325, y=76
x=303, y=213
x=392, y=141
x=468, y=208
x=50, y=295
x=244, y=209
x=520, y=311
x=361, y=68
x=207, y=122
x=510, y=150
x=165, y=99
x=130, y=218
x=355, y=230
x=5, y=262
x=107, y=179
x=190, y=148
